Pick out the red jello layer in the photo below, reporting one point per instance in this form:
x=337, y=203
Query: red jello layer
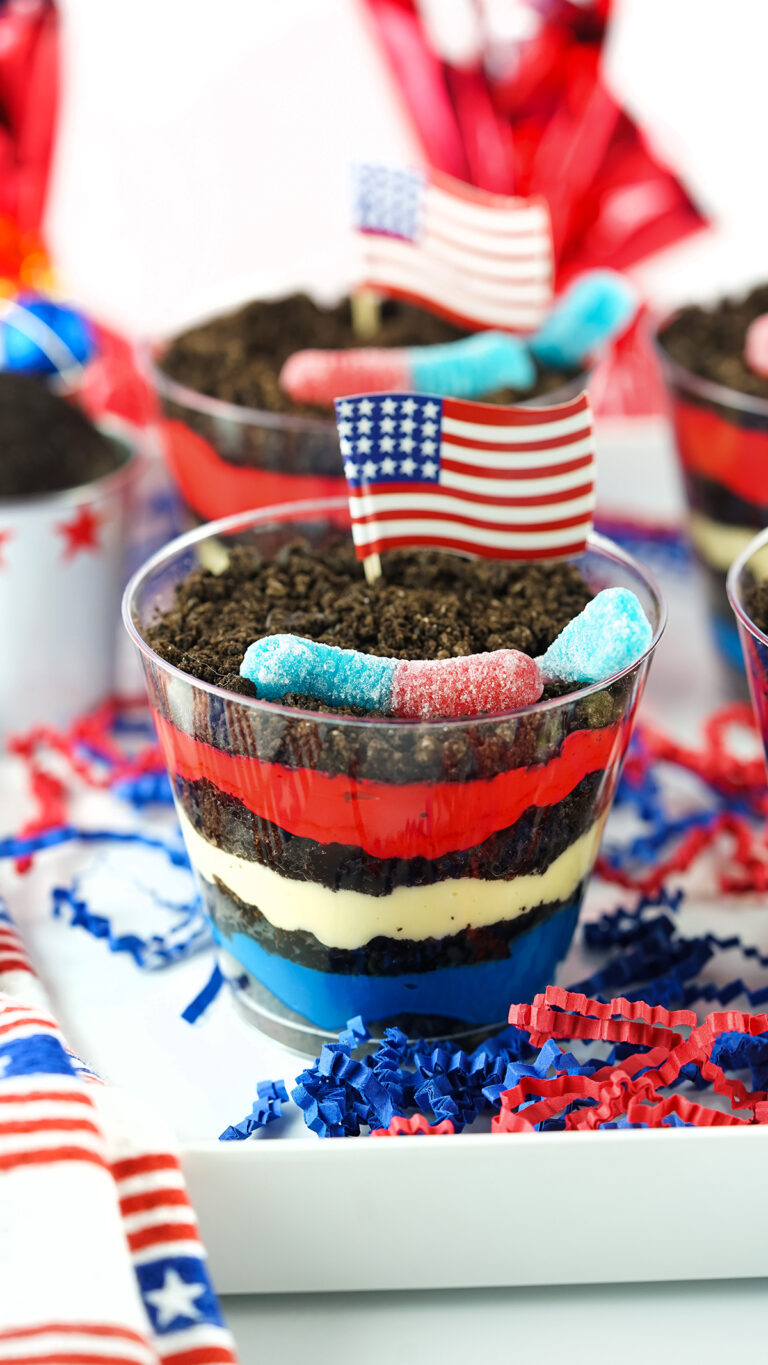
x=715, y=448
x=214, y=488
x=407, y=820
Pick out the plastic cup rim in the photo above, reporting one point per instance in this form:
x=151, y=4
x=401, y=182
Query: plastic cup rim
x=696, y=384
x=147, y=353
x=284, y=511
x=733, y=581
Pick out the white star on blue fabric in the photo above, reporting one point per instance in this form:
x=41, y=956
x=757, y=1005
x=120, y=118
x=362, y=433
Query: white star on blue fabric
x=388, y=466
x=407, y=425
x=429, y=469
x=428, y=447
x=387, y=424
x=428, y=428
x=364, y=446
x=386, y=444
x=364, y=425
x=407, y=467
x=344, y=428
x=389, y=407
x=345, y=447
x=347, y=409
x=407, y=444
x=365, y=407
x=350, y=469
x=408, y=407
x=175, y=1299
x=431, y=410
x=369, y=469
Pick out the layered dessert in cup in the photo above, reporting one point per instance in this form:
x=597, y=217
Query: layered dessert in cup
x=748, y=596
x=233, y=438
x=423, y=872
x=719, y=410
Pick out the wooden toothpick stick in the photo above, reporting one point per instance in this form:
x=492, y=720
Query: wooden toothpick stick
x=372, y=568
x=365, y=305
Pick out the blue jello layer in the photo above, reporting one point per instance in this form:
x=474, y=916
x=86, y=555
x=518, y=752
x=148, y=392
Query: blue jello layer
x=479, y=993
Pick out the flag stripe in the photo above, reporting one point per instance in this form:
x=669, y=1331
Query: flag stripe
x=14, y=964
x=162, y=1232
x=201, y=1355
x=140, y=1165
x=102, y=1329
x=77, y=1341
x=519, y=217
x=153, y=1199
x=439, y=308
x=166, y=1215
x=48, y=1156
x=471, y=457
x=36, y=1096
x=498, y=484
x=79, y=1357
x=470, y=547
x=521, y=264
x=150, y=1182
x=494, y=414
x=537, y=492
x=554, y=432
x=426, y=529
x=385, y=508
x=434, y=284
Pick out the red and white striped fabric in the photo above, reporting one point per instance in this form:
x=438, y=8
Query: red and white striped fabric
x=480, y=259
x=476, y=478
x=100, y=1257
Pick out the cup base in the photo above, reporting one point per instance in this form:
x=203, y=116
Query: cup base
x=419, y=1004
x=264, y=1011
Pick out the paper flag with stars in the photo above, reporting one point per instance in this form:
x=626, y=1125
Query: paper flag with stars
x=480, y=259
x=481, y=479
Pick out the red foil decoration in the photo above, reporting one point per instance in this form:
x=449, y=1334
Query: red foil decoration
x=548, y=124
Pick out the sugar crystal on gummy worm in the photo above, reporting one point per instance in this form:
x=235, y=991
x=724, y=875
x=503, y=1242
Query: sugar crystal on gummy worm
x=502, y=680
x=609, y=635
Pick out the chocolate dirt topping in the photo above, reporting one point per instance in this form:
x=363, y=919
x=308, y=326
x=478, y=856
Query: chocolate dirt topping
x=427, y=605
x=238, y=357
x=709, y=341
x=47, y=444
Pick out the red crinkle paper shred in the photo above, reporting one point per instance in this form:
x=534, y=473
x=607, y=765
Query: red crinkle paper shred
x=416, y=1125
x=90, y=752
x=628, y=1089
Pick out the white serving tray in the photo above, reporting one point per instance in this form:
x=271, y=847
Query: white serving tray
x=293, y=1213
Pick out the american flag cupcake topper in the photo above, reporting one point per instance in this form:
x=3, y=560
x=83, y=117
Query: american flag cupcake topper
x=482, y=260
x=476, y=478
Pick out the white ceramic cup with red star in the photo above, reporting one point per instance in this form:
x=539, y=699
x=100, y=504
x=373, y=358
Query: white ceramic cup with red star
x=61, y=575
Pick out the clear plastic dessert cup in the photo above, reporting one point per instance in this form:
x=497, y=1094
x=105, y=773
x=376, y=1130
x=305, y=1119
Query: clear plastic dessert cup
x=752, y=567
x=722, y=444
x=421, y=873
x=226, y=458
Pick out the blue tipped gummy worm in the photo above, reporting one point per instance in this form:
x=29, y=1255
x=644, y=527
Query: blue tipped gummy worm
x=610, y=634
x=592, y=310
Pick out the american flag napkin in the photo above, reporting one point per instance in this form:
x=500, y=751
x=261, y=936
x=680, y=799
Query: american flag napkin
x=477, y=478
x=100, y=1257
x=480, y=259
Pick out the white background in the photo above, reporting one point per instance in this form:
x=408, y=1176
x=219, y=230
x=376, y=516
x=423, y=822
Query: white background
x=204, y=147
